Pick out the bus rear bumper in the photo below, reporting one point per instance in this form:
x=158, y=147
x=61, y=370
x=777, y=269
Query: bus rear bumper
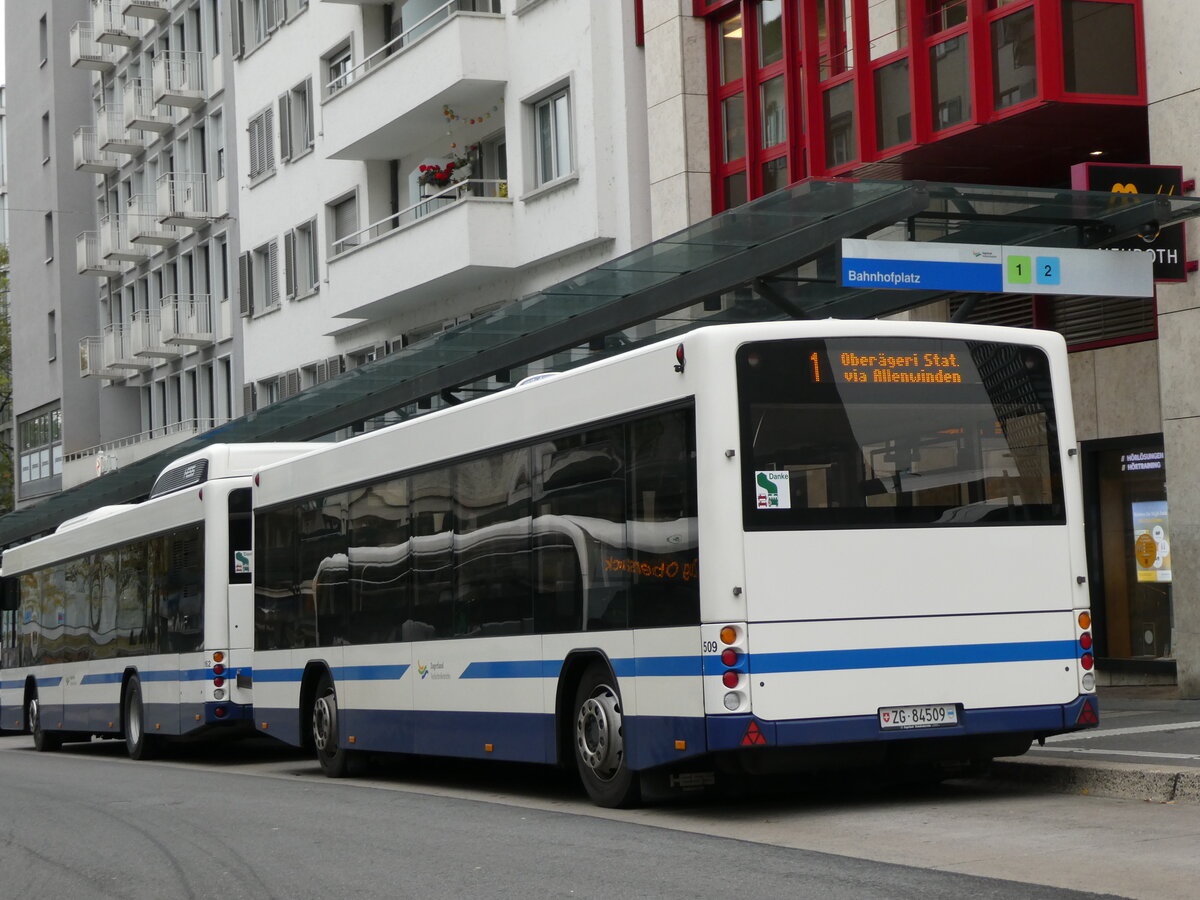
x=747, y=732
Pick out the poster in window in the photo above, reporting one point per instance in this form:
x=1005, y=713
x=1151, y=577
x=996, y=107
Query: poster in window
x=1151, y=541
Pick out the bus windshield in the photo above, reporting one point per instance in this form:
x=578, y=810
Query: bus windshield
x=884, y=432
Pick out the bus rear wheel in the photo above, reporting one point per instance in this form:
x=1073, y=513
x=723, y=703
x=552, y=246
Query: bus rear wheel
x=336, y=761
x=43, y=741
x=138, y=743
x=599, y=741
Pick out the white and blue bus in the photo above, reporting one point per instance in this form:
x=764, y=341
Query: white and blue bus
x=761, y=547
x=131, y=621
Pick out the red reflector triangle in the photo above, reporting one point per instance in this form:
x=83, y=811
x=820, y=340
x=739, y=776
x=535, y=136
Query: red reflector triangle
x=1087, y=715
x=753, y=736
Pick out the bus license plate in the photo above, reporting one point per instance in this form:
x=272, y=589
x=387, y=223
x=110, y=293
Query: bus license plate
x=930, y=715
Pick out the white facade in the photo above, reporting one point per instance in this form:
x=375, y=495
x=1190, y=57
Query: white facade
x=344, y=252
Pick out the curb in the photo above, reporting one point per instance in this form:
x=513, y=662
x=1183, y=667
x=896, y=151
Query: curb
x=1127, y=781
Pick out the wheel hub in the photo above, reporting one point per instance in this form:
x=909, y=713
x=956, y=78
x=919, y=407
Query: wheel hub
x=324, y=723
x=34, y=716
x=598, y=733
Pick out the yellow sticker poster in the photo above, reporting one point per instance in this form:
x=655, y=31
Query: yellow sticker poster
x=1151, y=541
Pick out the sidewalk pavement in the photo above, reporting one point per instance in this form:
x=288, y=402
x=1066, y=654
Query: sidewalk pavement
x=1146, y=748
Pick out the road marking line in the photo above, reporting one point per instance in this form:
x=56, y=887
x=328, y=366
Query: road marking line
x=1145, y=753
x=1113, y=732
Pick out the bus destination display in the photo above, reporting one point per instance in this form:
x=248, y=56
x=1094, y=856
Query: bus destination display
x=887, y=368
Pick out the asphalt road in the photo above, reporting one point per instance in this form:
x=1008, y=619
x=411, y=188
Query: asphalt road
x=259, y=821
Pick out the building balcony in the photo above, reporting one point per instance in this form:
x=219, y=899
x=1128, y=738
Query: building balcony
x=112, y=26
x=88, y=260
x=144, y=227
x=145, y=337
x=156, y=10
x=117, y=352
x=141, y=110
x=186, y=319
x=183, y=200
x=114, y=241
x=91, y=357
x=392, y=103
x=179, y=78
x=88, y=53
x=457, y=239
x=112, y=134
x=88, y=155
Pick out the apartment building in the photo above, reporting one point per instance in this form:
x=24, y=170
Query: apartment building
x=413, y=164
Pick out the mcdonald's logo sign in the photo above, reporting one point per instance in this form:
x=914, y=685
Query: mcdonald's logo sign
x=1168, y=245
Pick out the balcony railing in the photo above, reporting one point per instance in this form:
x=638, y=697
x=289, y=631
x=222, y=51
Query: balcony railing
x=87, y=52
x=179, y=78
x=183, y=200
x=141, y=110
x=115, y=243
x=146, y=9
x=145, y=337
x=187, y=319
x=113, y=27
x=471, y=189
x=88, y=155
x=144, y=227
x=118, y=354
x=91, y=356
x=112, y=133
x=88, y=260
x=442, y=14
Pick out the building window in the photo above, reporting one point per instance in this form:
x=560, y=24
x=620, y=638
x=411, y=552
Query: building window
x=39, y=439
x=45, y=138
x=337, y=65
x=1099, y=48
x=43, y=40
x=48, y=223
x=300, y=260
x=262, y=144
x=552, y=137
x=295, y=121
x=342, y=217
x=258, y=279
x=52, y=333
x=1014, y=59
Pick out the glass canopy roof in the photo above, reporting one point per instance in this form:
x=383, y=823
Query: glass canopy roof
x=775, y=257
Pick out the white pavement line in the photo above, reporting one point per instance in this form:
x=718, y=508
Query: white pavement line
x=1113, y=732
x=1146, y=753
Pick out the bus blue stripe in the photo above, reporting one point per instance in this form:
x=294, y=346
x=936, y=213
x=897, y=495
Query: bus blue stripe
x=898, y=657
x=347, y=673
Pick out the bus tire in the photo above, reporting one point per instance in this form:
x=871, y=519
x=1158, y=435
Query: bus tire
x=598, y=737
x=336, y=761
x=138, y=743
x=43, y=741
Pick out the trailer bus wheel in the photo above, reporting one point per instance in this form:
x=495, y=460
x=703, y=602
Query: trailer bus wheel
x=43, y=741
x=599, y=740
x=336, y=761
x=138, y=743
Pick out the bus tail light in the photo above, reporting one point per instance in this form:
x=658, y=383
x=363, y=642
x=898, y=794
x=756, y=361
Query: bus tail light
x=730, y=679
x=1086, y=661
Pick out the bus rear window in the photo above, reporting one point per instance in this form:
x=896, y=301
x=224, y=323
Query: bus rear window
x=885, y=432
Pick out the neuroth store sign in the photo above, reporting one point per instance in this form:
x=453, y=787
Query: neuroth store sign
x=1168, y=246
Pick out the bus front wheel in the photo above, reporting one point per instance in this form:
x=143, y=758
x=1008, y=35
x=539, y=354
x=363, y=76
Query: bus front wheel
x=599, y=740
x=138, y=743
x=336, y=761
x=43, y=741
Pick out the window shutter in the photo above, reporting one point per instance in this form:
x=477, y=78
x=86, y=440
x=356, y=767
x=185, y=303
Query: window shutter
x=291, y=384
x=345, y=218
x=272, y=273
x=255, y=131
x=248, y=398
x=280, y=12
x=321, y=369
x=268, y=138
x=235, y=28
x=307, y=112
x=291, y=282
x=285, y=126
x=245, y=285
x=335, y=366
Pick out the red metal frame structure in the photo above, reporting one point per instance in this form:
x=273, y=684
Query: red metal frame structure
x=1013, y=62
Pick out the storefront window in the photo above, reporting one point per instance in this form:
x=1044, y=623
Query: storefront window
x=893, y=105
x=1130, y=550
x=1099, y=53
x=1014, y=59
x=839, y=125
x=950, y=82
